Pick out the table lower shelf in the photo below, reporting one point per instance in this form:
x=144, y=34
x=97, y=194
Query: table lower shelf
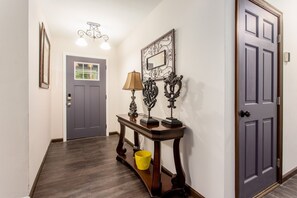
x=146, y=175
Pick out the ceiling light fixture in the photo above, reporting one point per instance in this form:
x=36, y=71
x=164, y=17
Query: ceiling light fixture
x=94, y=33
x=81, y=42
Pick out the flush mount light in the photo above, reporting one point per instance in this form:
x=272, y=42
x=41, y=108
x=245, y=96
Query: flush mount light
x=94, y=33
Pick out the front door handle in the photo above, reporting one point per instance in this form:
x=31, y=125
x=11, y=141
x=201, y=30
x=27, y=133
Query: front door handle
x=69, y=97
x=244, y=113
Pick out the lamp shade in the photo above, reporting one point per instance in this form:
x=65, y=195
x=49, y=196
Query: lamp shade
x=133, y=81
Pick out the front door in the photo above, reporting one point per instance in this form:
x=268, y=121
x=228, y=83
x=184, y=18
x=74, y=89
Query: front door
x=86, y=97
x=257, y=98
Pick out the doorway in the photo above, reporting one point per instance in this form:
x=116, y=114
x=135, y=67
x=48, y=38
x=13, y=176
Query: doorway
x=258, y=97
x=85, y=97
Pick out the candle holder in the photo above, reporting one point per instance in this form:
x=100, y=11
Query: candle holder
x=150, y=92
x=172, y=87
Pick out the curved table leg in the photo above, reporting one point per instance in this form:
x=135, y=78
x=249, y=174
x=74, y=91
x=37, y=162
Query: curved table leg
x=178, y=180
x=136, y=146
x=156, y=183
x=120, y=148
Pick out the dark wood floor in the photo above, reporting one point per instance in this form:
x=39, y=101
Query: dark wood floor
x=286, y=190
x=87, y=168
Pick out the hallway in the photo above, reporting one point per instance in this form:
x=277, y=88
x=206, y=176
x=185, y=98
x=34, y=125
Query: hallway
x=87, y=168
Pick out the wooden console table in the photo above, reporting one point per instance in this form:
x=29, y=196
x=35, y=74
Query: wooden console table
x=157, y=183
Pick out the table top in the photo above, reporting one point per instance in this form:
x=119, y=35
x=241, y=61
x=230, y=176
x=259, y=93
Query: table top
x=153, y=132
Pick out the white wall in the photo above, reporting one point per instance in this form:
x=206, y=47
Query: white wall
x=200, y=58
x=66, y=46
x=14, y=99
x=39, y=99
x=229, y=119
x=288, y=7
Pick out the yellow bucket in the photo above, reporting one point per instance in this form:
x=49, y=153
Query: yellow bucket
x=143, y=159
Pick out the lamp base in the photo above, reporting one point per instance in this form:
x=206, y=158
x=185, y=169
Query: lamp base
x=149, y=121
x=171, y=123
x=133, y=106
x=133, y=114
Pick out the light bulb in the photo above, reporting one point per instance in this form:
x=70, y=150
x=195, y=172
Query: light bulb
x=81, y=42
x=105, y=46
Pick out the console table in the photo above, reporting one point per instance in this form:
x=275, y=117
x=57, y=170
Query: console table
x=157, y=183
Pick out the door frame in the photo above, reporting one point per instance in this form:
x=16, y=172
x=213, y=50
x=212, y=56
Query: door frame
x=266, y=6
x=65, y=54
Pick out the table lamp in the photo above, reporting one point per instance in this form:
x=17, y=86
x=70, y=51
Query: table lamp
x=133, y=83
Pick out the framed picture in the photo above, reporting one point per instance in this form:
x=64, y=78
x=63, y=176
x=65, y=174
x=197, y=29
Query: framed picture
x=44, y=64
x=158, y=58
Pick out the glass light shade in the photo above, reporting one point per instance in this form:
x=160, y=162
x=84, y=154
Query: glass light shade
x=105, y=46
x=81, y=42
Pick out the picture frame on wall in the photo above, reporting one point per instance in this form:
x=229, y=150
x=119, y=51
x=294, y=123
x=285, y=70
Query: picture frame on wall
x=44, y=64
x=158, y=58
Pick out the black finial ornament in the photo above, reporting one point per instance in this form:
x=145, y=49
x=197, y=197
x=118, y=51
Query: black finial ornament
x=172, y=87
x=150, y=92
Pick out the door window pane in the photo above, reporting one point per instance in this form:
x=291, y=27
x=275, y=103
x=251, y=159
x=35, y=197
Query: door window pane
x=86, y=71
x=95, y=72
x=78, y=71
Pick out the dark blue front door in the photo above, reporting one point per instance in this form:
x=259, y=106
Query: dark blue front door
x=86, y=97
x=257, y=98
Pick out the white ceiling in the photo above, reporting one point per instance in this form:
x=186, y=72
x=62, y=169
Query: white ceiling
x=117, y=17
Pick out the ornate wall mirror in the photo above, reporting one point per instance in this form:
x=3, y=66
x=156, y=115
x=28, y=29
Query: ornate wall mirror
x=158, y=58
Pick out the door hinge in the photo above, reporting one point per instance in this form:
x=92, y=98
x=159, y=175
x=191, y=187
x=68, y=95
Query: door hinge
x=105, y=97
x=278, y=100
x=106, y=126
x=279, y=37
x=278, y=163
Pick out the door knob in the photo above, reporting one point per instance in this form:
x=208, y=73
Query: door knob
x=244, y=113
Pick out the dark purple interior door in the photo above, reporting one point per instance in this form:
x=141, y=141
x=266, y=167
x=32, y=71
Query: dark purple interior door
x=258, y=31
x=86, y=97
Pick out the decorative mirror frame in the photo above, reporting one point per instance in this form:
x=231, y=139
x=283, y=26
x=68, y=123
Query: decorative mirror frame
x=164, y=43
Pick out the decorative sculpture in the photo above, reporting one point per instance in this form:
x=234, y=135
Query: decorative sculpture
x=172, y=87
x=150, y=92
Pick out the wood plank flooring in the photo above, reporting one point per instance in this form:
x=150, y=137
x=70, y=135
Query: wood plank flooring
x=287, y=190
x=87, y=168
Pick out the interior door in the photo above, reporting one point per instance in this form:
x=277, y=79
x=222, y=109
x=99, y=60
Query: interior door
x=257, y=98
x=86, y=97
